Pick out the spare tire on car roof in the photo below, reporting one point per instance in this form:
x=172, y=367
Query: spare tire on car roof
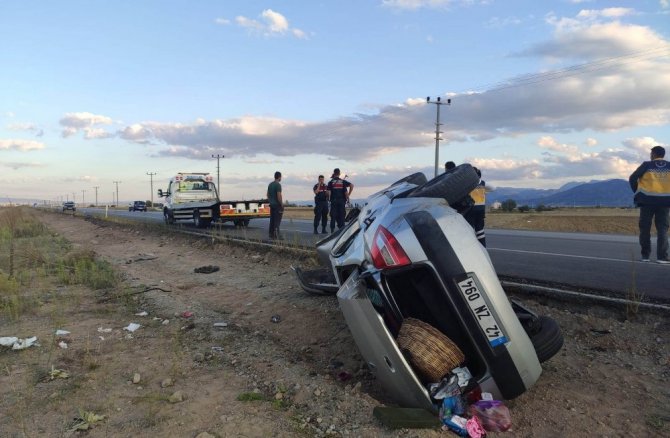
x=417, y=178
x=452, y=186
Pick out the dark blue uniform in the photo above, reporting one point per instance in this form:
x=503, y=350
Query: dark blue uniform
x=320, y=207
x=338, y=189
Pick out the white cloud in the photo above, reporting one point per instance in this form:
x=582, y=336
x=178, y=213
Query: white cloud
x=20, y=165
x=96, y=133
x=625, y=83
x=20, y=145
x=549, y=143
x=500, y=22
x=413, y=5
x=271, y=23
x=592, y=14
x=641, y=146
x=222, y=21
x=29, y=127
x=74, y=122
x=82, y=178
x=665, y=4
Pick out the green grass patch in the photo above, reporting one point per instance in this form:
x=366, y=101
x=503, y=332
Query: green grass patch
x=250, y=396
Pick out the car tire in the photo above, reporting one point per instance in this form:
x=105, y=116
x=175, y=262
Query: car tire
x=546, y=337
x=200, y=222
x=417, y=178
x=168, y=217
x=452, y=186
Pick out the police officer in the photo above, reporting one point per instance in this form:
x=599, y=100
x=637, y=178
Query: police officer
x=477, y=214
x=339, y=190
x=320, y=205
x=651, y=184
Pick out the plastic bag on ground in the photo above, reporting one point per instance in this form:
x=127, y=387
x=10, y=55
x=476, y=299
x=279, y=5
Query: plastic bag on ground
x=493, y=415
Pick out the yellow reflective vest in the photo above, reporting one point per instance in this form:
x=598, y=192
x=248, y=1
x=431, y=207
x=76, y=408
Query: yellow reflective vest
x=651, y=183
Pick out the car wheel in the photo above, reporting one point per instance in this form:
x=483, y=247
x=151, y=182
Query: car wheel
x=417, y=178
x=452, y=186
x=547, y=338
x=198, y=221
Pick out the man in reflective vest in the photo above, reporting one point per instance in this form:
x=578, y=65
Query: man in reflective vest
x=477, y=214
x=651, y=184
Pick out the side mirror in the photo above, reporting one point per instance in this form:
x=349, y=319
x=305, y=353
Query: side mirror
x=160, y=192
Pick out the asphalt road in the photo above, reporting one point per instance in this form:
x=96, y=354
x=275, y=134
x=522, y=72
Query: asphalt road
x=608, y=264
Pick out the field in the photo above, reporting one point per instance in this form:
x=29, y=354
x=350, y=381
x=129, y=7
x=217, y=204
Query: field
x=582, y=220
x=244, y=352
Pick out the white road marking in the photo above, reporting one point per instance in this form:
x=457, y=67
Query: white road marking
x=565, y=255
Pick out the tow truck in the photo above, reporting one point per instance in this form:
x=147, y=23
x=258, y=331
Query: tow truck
x=193, y=196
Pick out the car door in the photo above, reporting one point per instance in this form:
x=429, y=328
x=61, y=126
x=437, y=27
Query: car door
x=378, y=347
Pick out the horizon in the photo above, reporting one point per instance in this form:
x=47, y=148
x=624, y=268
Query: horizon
x=541, y=93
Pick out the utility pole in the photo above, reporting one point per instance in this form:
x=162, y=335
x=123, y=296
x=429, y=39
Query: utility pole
x=438, y=103
x=83, y=202
x=117, y=192
x=96, y=195
x=218, y=180
x=74, y=199
x=151, y=177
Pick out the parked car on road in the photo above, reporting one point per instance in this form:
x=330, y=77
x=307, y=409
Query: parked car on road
x=138, y=206
x=69, y=205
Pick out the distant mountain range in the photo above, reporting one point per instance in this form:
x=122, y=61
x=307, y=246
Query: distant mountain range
x=609, y=193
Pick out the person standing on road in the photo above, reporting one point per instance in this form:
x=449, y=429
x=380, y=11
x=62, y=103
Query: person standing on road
x=340, y=191
x=476, y=216
x=276, y=206
x=651, y=184
x=320, y=205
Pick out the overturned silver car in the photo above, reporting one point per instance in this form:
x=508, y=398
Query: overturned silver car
x=408, y=253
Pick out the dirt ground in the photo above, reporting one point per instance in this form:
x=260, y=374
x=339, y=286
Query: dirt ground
x=179, y=375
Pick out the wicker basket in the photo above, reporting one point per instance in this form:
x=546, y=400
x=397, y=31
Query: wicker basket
x=429, y=351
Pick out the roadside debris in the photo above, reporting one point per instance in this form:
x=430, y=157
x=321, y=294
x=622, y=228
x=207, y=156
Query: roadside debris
x=600, y=331
x=141, y=257
x=220, y=324
x=206, y=269
x=186, y=314
x=104, y=330
x=177, y=397
x=58, y=374
x=275, y=318
x=63, y=345
x=132, y=327
x=142, y=313
x=493, y=414
x=86, y=420
x=62, y=332
x=18, y=344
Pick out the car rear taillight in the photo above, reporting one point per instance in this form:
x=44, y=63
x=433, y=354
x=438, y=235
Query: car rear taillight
x=386, y=250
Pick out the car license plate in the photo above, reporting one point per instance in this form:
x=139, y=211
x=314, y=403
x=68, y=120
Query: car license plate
x=482, y=313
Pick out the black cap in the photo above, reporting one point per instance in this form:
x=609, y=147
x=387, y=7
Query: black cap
x=658, y=151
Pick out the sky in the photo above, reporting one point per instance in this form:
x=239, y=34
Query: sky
x=535, y=94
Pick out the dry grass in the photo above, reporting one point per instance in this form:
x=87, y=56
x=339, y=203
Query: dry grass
x=581, y=220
